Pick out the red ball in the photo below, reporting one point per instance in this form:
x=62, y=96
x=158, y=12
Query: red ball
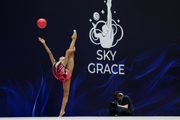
x=41, y=23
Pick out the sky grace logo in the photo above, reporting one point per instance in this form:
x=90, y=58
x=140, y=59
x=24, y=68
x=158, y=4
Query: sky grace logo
x=103, y=33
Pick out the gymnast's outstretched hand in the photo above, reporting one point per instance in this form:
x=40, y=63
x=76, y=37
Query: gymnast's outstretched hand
x=41, y=40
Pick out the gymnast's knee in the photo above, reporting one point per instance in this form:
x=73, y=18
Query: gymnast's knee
x=66, y=93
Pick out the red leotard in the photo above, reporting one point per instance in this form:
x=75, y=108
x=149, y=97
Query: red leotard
x=60, y=72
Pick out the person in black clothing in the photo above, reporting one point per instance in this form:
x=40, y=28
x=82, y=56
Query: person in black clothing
x=124, y=103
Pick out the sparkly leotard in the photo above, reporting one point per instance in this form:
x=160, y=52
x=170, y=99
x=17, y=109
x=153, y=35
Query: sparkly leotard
x=60, y=72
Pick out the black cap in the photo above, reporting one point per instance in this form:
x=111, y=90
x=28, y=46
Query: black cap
x=117, y=93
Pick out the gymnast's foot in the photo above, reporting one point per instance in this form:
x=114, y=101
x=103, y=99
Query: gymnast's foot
x=74, y=36
x=62, y=113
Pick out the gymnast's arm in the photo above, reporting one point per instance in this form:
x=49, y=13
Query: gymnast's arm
x=47, y=49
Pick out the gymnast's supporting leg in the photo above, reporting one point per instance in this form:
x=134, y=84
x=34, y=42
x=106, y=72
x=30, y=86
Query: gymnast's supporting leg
x=66, y=87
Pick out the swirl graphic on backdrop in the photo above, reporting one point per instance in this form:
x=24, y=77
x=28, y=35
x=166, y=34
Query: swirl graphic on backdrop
x=96, y=16
x=103, y=32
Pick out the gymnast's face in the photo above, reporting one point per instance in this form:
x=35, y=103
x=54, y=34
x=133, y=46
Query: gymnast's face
x=61, y=58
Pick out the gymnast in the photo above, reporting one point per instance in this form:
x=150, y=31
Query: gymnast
x=63, y=68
